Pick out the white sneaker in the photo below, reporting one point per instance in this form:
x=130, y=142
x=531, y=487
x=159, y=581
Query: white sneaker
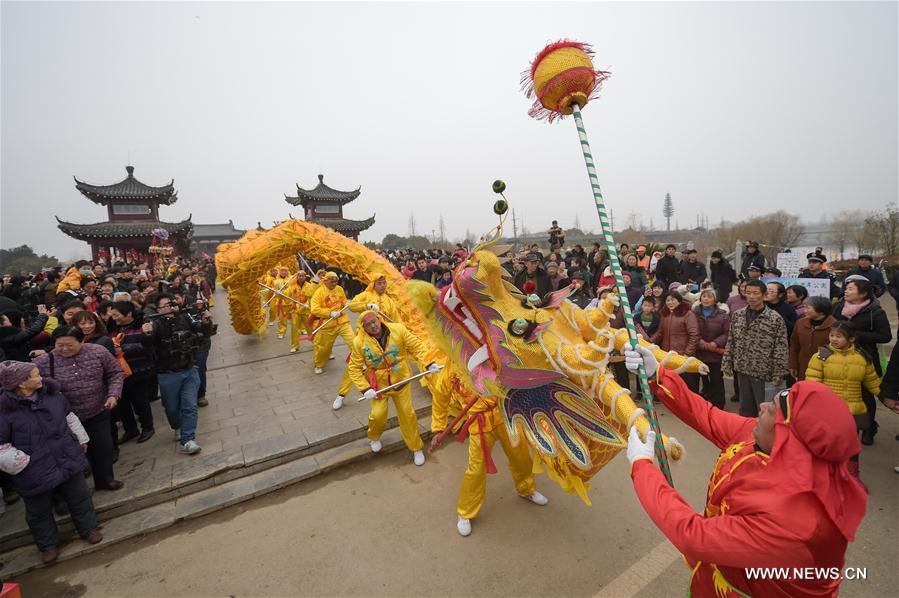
x=293, y=349
x=271, y=323
x=176, y=435
x=896, y=469
x=537, y=498
x=330, y=358
x=318, y=370
x=280, y=336
x=375, y=446
x=463, y=526
x=338, y=403
x=189, y=448
x=418, y=457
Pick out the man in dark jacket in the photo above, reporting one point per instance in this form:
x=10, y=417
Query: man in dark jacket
x=722, y=276
x=666, y=268
x=816, y=269
x=533, y=273
x=15, y=335
x=581, y=294
x=752, y=257
x=140, y=386
x=866, y=268
x=691, y=271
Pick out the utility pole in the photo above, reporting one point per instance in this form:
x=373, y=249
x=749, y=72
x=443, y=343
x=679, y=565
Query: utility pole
x=514, y=226
x=411, y=224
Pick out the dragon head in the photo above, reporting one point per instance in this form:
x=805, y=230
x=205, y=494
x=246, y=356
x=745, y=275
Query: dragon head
x=491, y=326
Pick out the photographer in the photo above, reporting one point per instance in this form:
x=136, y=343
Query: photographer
x=195, y=305
x=177, y=338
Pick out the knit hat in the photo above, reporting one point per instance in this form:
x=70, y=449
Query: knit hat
x=13, y=373
x=717, y=253
x=854, y=278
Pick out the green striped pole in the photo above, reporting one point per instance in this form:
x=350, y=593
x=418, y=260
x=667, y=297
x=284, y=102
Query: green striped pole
x=622, y=292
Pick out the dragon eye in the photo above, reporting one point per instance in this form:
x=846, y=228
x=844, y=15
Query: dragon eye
x=520, y=327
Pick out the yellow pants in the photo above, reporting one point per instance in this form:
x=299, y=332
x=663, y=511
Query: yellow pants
x=474, y=484
x=321, y=350
x=282, y=324
x=298, y=325
x=405, y=413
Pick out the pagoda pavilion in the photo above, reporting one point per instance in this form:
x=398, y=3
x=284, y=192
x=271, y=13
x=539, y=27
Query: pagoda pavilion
x=133, y=212
x=324, y=205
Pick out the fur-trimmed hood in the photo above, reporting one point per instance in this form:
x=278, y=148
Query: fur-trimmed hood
x=9, y=399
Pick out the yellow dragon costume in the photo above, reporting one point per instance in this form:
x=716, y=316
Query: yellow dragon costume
x=544, y=367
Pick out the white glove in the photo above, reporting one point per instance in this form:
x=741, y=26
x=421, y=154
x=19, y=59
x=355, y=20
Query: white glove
x=335, y=314
x=637, y=449
x=373, y=307
x=633, y=359
x=433, y=367
x=370, y=394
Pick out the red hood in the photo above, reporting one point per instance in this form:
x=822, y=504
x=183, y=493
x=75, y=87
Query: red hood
x=812, y=446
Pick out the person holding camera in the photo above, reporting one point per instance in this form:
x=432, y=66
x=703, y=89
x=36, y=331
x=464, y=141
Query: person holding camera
x=177, y=338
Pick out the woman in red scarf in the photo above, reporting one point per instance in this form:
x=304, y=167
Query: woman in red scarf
x=780, y=494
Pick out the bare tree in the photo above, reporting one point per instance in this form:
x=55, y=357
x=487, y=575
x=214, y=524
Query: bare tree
x=884, y=226
x=844, y=229
x=774, y=231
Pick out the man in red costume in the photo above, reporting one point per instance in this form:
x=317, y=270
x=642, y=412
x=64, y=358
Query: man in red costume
x=780, y=494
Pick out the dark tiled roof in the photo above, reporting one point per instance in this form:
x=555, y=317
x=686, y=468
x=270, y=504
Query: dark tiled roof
x=342, y=225
x=322, y=193
x=217, y=230
x=129, y=189
x=123, y=229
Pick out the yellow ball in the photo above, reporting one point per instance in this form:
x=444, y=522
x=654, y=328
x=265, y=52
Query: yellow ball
x=562, y=75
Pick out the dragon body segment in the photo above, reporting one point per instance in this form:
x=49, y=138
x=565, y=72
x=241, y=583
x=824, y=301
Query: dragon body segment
x=242, y=263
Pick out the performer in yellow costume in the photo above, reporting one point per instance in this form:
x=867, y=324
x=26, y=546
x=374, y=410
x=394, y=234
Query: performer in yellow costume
x=281, y=306
x=376, y=298
x=269, y=281
x=328, y=303
x=301, y=290
x=484, y=427
x=383, y=349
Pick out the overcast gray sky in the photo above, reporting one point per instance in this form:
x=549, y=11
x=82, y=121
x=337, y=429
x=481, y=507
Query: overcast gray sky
x=735, y=109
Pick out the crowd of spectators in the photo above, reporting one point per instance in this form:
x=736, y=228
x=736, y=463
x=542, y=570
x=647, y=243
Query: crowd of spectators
x=83, y=353
x=739, y=320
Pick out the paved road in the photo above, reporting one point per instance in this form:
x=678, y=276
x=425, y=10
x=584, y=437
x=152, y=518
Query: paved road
x=386, y=528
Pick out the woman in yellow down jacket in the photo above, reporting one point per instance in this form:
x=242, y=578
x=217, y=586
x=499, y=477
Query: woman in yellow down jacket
x=384, y=349
x=845, y=369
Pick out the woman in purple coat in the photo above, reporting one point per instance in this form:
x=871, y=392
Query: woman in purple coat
x=42, y=446
x=91, y=379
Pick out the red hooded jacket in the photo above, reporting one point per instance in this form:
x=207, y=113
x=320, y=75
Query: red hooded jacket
x=797, y=507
